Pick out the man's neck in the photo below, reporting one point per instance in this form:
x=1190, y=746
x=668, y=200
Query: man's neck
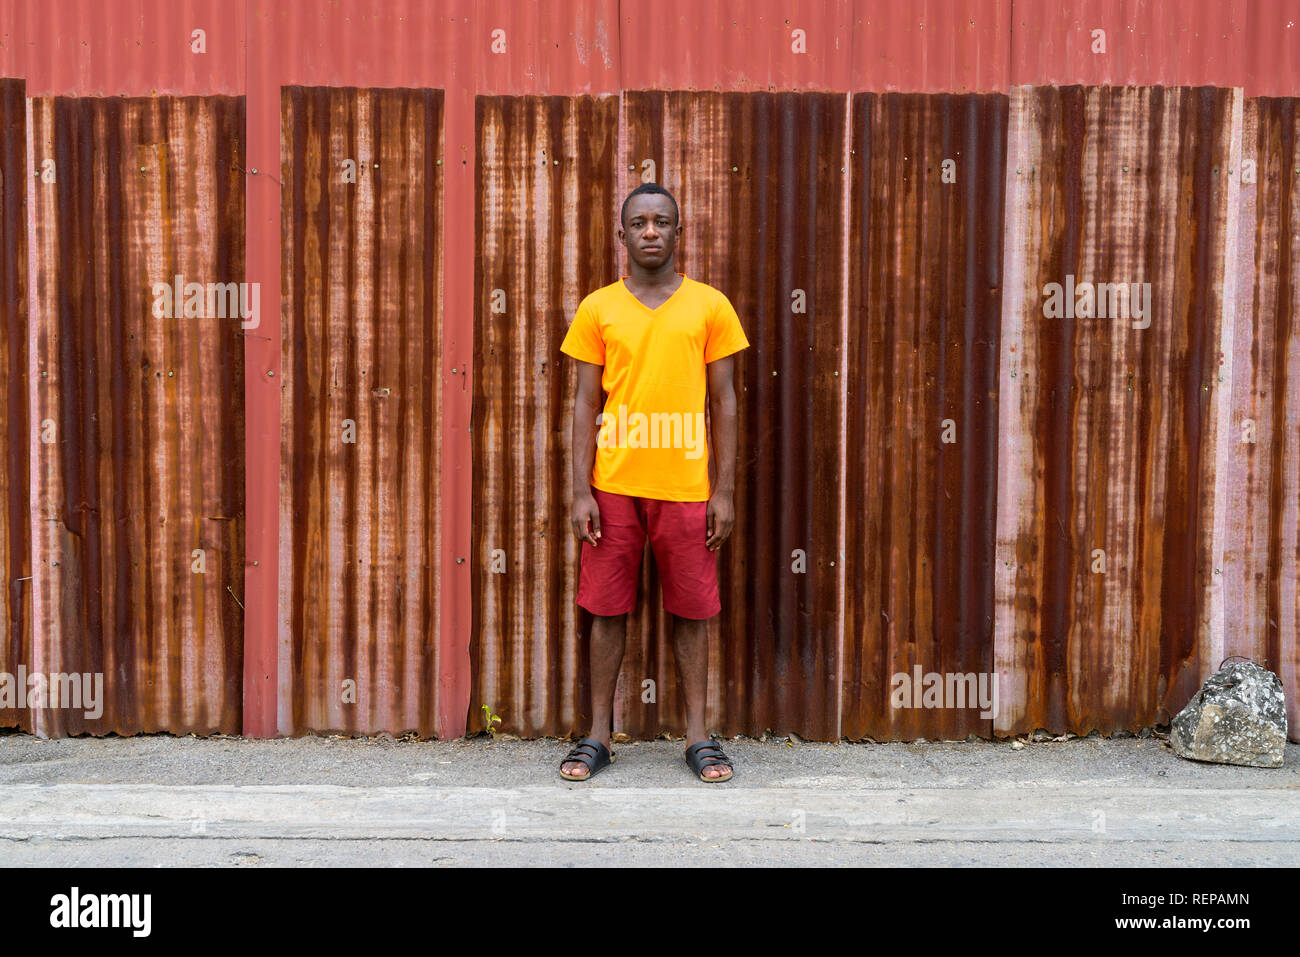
x=665, y=275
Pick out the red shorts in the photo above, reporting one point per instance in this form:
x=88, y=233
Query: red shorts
x=678, y=532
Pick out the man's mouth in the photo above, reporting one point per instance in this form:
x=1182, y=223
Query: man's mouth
x=653, y=248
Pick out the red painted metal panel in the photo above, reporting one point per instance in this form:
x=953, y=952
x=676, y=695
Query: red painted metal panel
x=138, y=479
x=1271, y=48
x=263, y=649
x=481, y=45
x=762, y=45
x=1248, y=43
x=124, y=47
x=934, y=46
x=1123, y=42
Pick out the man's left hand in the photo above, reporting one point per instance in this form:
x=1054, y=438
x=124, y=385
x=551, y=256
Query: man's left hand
x=721, y=520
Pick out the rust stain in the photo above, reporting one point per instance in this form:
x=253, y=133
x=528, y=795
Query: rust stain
x=545, y=201
x=1109, y=524
x=360, y=522
x=759, y=232
x=924, y=330
x=1267, y=567
x=15, y=440
x=759, y=181
x=139, y=483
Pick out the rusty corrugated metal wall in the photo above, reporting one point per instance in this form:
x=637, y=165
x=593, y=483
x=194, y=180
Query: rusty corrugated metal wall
x=801, y=138
x=137, y=475
x=360, y=506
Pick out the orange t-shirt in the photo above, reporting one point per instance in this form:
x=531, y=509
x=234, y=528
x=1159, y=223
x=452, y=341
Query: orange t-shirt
x=651, y=441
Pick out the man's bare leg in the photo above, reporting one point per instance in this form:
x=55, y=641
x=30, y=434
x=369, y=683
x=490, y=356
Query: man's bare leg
x=604, y=658
x=691, y=649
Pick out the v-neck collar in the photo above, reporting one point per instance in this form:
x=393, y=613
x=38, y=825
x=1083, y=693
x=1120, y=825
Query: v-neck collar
x=658, y=308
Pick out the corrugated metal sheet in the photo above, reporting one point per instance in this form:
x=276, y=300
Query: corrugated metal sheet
x=545, y=235
x=925, y=304
x=124, y=47
x=137, y=476
x=1259, y=462
x=1249, y=43
x=15, y=441
x=1106, y=500
x=744, y=169
x=760, y=181
x=360, y=526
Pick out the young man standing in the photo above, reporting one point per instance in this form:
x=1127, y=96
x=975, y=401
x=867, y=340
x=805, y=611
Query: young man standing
x=657, y=342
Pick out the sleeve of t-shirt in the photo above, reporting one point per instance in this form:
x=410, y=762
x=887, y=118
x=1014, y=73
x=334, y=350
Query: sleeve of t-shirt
x=583, y=340
x=725, y=333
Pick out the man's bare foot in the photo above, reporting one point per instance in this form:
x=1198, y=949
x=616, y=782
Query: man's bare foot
x=717, y=770
x=579, y=770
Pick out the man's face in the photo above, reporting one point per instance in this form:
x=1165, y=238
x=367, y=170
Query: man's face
x=650, y=231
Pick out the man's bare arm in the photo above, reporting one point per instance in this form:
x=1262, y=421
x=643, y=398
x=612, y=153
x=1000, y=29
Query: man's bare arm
x=722, y=415
x=585, y=515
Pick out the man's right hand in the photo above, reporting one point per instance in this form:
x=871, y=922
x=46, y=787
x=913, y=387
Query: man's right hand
x=585, y=518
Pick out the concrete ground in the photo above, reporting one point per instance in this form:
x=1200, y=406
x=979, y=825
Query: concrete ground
x=163, y=801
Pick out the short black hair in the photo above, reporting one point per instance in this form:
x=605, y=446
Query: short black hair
x=649, y=188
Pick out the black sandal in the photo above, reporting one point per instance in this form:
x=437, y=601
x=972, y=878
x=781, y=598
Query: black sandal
x=706, y=754
x=590, y=752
